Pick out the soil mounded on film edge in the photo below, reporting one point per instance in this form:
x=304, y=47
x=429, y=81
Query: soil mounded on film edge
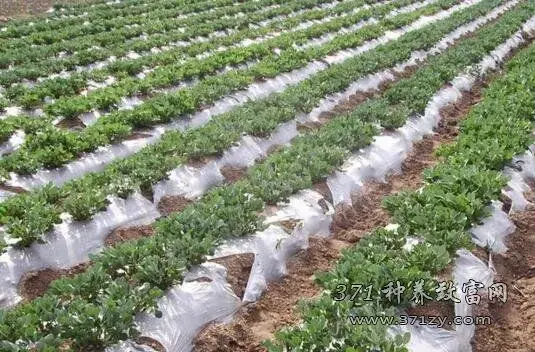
x=71, y=123
x=233, y=174
x=277, y=308
x=128, y=233
x=34, y=284
x=173, y=204
x=238, y=270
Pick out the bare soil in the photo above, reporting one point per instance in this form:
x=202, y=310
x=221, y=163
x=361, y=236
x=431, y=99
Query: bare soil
x=35, y=284
x=13, y=189
x=434, y=309
x=137, y=135
x=323, y=189
x=155, y=345
x=257, y=321
x=129, y=233
x=238, y=270
x=233, y=174
x=24, y=8
x=199, y=162
x=71, y=123
x=512, y=323
x=173, y=204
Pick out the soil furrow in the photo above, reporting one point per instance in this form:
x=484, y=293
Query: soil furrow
x=512, y=323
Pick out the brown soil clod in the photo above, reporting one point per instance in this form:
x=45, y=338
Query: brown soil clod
x=233, y=174
x=307, y=126
x=351, y=223
x=431, y=309
x=356, y=99
x=173, y=204
x=137, y=135
x=289, y=225
x=34, y=284
x=324, y=205
x=148, y=193
x=238, y=270
x=344, y=217
x=14, y=189
x=323, y=189
x=152, y=343
x=71, y=123
x=506, y=203
x=129, y=233
x=199, y=162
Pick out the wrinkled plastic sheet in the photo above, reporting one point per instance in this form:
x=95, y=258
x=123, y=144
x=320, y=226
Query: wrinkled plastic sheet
x=387, y=152
x=519, y=173
x=274, y=236
x=395, y=34
x=188, y=307
x=13, y=143
x=492, y=232
x=192, y=182
x=272, y=247
x=410, y=8
x=426, y=338
x=74, y=241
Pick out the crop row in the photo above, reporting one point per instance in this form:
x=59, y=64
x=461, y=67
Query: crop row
x=9, y=125
x=18, y=29
x=456, y=195
x=176, y=70
x=30, y=126
x=144, y=23
x=54, y=147
x=131, y=275
x=34, y=70
x=56, y=87
x=114, y=4
x=30, y=215
x=193, y=26
x=30, y=96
